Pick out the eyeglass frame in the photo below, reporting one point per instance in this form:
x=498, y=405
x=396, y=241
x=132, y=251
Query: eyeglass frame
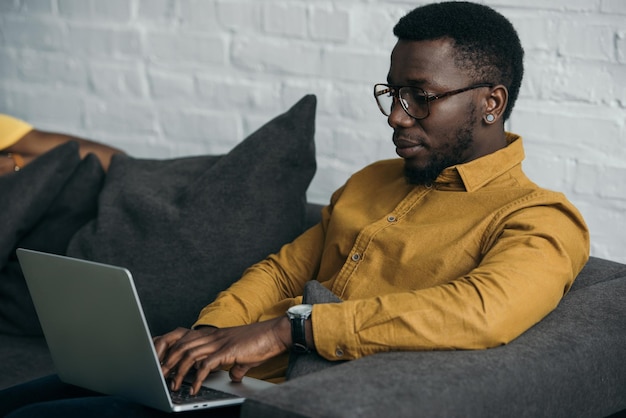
x=428, y=97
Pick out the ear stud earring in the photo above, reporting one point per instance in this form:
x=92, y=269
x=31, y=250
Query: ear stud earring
x=490, y=118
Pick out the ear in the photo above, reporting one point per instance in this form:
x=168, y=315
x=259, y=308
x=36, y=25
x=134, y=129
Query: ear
x=495, y=104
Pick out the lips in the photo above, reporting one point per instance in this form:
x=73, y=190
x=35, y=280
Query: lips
x=407, y=148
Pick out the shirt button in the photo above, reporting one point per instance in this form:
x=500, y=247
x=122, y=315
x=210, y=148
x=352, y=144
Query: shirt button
x=356, y=257
x=391, y=218
x=339, y=352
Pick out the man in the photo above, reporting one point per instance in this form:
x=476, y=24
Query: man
x=449, y=247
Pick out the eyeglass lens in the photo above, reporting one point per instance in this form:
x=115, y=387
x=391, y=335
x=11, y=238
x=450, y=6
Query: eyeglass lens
x=413, y=100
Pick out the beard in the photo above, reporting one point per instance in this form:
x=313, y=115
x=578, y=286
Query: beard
x=449, y=155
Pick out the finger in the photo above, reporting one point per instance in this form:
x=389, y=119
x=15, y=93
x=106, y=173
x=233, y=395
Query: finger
x=191, y=339
x=163, y=346
x=191, y=358
x=162, y=343
x=237, y=372
x=201, y=374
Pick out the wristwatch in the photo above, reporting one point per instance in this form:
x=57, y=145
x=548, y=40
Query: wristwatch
x=298, y=315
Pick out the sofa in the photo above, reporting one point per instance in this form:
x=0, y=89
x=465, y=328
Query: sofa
x=570, y=364
x=188, y=227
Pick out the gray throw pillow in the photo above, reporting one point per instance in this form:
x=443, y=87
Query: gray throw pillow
x=187, y=228
x=43, y=205
x=302, y=364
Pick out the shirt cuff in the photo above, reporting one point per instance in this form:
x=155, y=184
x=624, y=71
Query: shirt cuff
x=334, y=331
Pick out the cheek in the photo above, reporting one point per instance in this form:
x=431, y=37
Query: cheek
x=446, y=122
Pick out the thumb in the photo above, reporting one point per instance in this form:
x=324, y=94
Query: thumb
x=237, y=372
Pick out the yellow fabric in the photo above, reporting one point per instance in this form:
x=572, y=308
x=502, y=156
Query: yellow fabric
x=468, y=263
x=12, y=130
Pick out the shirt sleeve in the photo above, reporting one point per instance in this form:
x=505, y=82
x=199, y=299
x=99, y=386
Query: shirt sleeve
x=12, y=130
x=267, y=289
x=525, y=271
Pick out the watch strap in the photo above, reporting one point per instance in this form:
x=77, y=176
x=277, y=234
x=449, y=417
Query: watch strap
x=298, y=335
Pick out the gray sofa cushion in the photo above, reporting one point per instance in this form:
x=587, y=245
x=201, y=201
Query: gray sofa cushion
x=44, y=204
x=572, y=363
x=188, y=228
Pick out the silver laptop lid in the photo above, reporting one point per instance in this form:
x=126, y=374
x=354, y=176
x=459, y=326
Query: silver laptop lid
x=94, y=326
x=98, y=336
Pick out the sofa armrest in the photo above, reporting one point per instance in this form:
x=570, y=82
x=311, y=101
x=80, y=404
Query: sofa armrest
x=573, y=363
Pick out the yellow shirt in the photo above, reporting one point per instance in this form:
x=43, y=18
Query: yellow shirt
x=469, y=263
x=12, y=130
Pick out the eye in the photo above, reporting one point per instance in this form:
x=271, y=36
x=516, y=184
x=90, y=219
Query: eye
x=417, y=95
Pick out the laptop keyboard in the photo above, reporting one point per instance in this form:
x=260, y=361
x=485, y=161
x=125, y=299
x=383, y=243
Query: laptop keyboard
x=182, y=396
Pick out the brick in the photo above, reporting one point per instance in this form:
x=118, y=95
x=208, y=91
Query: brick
x=199, y=14
x=41, y=68
x=170, y=86
x=7, y=6
x=354, y=147
x=104, y=42
x=330, y=175
x=601, y=180
x=8, y=64
x=620, y=40
x=540, y=73
x=285, y=19
x=33, y=34
x=536, y=32
x=294, y=89
x=276, y=56
x=613, y=6
x=547, y=170
x=121, y=117
x=242, y=16
x=112, y=10
x=116, y=80
x=356, y=101
x=578, y=81
x=558, y=5
x=186, y=48
x=35, y=6
x=589, y=132
x=373, y=28
x=348, y=64
x=157, y=10
x=616, y=92
x=604, y=219
x=218, y=132
x=330, y=25
x=45, y=105
x=239, y=94
x=587, y=41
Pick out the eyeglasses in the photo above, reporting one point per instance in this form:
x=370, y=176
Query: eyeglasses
x=414, y=100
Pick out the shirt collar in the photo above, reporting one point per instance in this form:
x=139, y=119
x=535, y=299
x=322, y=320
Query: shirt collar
x=475, y=174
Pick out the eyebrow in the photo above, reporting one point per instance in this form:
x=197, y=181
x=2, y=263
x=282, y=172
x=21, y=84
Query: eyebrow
x=416, y=82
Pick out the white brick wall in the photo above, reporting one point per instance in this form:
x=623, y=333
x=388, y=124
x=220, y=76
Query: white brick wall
x=164, y=78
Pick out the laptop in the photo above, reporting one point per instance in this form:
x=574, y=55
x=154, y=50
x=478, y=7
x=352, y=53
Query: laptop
x=98, y=337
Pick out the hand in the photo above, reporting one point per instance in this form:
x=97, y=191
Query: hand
x=7, y=165
x=12, y=161
x=209, y=349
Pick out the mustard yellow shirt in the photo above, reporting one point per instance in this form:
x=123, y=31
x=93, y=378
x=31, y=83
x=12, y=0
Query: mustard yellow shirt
x=469, y=263
x=12, y=130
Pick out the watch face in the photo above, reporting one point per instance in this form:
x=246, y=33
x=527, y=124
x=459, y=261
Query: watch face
x=300, y=309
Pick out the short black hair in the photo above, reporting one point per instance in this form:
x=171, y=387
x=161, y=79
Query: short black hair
x=486, y=43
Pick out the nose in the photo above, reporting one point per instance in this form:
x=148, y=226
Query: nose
x=399, y=118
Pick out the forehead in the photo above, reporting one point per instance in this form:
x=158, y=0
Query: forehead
x=425, y=63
